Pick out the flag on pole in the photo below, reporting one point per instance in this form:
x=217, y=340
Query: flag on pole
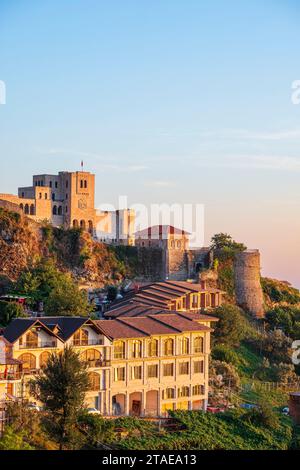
x=82, y=164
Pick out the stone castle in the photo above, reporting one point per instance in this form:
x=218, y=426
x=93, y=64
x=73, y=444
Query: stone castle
x=68, y=200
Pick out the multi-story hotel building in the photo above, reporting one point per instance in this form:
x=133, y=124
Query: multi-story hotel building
x=143, y=365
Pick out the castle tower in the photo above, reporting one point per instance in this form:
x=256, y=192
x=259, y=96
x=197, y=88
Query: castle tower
x=248, y=289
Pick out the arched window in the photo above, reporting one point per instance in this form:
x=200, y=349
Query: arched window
x=44, y=358
x=32, y=209
x=153, y=348
x=185, y=346
x=136, y=348
x=90, y=357
x=28, y=361
x=54, y=210
x=172, y=244
x=94, y=380
x=50, y=184
x=26, y=209
x=59, y=212
x=179, y=244
x=22, y=207
x=53, y=196
x=198, y=344
x=46, y=196
x=81, y=338
x=91, y=227
x=75, y=223
x=169, y=347
x=119, y=350
x=85, y=183
x=81, y=184
x=82, y=224
x=31, y=339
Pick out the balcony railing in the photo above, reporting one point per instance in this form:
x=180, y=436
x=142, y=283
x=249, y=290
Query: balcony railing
x=98, y=363
x=42, y=344
x=88, y=342
x=10, y=376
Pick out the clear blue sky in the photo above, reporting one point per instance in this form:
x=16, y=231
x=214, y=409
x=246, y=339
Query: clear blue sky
x=167, y=101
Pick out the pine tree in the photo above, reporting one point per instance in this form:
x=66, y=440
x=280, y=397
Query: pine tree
x=61, y=388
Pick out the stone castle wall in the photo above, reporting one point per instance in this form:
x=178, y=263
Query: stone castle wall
x=248, y=288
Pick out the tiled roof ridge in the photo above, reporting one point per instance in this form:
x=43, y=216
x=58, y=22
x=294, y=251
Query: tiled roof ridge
x=158, y=320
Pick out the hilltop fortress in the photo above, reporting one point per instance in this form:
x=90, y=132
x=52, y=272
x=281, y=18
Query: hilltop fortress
x=163, y=251
x=68, y=200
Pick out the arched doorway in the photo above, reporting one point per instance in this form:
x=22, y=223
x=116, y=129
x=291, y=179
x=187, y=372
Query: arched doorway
x=135, y=404
x=118, y=404
x=91, y=227
x=75, y=223
x=82, y=224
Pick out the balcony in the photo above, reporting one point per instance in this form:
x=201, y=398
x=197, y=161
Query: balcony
x=88, y=342
x=39, y=345
x=10, y=376
x=98, y=363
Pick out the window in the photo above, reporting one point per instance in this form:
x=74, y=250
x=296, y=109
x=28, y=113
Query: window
x=54, y=211
x=26, y=209
x=119, y=350
x=168, y=394
x=153, y=348
x=67, y=196
x=40, y=196
x=44, y=358
x=172, y=244
x=31, y=340
x=179, y=244
x=59, y=212
x=198, y=367
x=169, y=347
x=32, y=209
x=29, y=362
x=136, y=372
x=184, y=392
x=53, y=197
x=94, y=380
x=183, y=368
x=67, y=184
x=136, y=349
x=168, y=370
x=56, y=184
x=81, y=184
x=66, y=209
x=23, y=195
x=198, y=345
x=194, y=300
x=50, y=184
x=185, y=345
x=152, y=371
x=198, y=390
x=85, y=183
x=119, y=374
x=81, y=338
x=91, y=357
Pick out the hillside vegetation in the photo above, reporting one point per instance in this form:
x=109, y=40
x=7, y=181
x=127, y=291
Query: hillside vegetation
x=23, y=244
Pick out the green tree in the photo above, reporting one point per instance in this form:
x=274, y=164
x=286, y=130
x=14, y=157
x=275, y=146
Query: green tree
x=232, y=326
x=221, y=241
x=62, y=389
x=10, y=310
x=66, y=299
x=112, y=292
x=13, y=440
x=59, y=292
